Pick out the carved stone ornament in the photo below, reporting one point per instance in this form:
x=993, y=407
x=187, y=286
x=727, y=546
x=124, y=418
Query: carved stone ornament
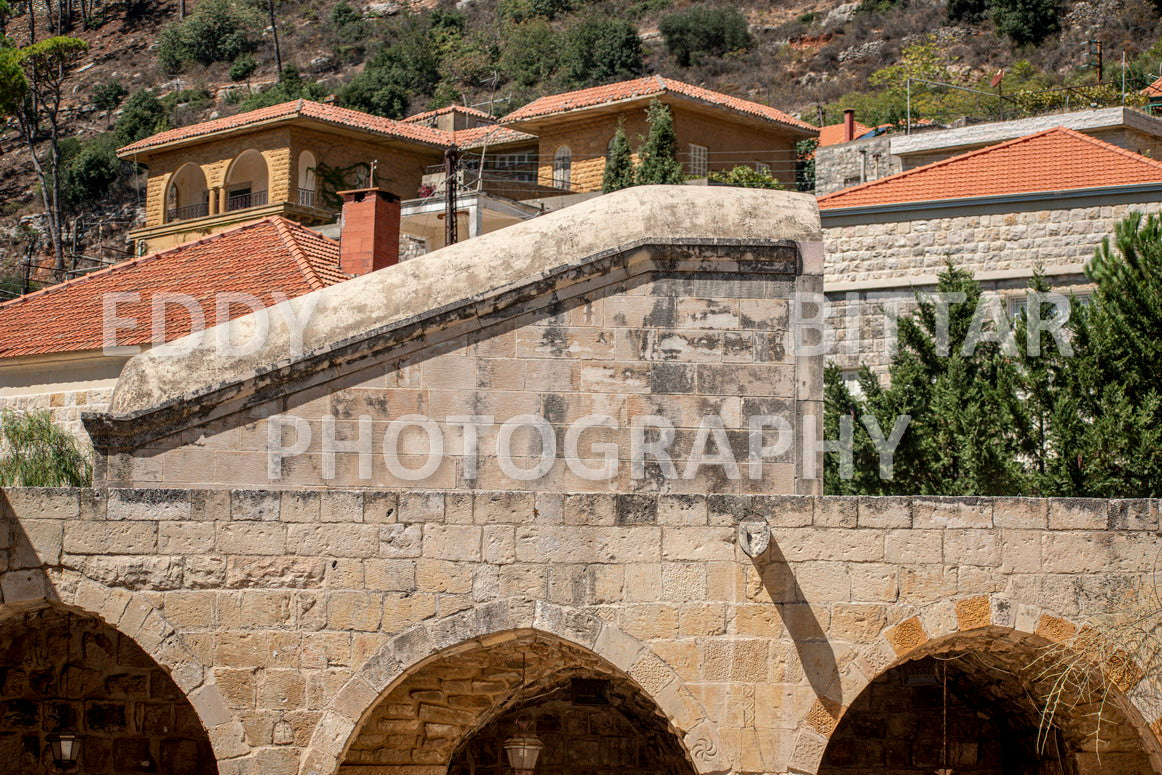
x=754, y=537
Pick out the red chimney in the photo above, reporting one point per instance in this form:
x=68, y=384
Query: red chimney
x=369, y=239
x=848, y=125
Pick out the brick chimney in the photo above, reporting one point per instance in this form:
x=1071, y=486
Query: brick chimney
x=369, y=239
x=848, y=125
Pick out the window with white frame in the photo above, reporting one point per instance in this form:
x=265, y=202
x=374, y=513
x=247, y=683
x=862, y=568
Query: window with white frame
x=699, y=165
x=519, y=165
x=762, y=167
x=563, y=167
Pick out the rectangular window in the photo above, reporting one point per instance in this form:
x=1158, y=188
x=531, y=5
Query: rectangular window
x=699, y=160
x=761, y=167
x=1017, y=306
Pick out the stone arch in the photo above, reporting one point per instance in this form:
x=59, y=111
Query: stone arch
x=499, y=622
x=187, y=195
x=133, y=616
x=247, y=181
x=976, y=625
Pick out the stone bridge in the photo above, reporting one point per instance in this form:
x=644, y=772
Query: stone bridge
x=253, y=590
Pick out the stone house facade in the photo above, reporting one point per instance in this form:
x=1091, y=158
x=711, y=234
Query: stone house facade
x=317, y=623
x=1038, y=203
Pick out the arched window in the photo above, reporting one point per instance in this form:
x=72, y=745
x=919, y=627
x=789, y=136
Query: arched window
x=246, y=181
x=308, y=183
x=187, y=196
x=563, y=167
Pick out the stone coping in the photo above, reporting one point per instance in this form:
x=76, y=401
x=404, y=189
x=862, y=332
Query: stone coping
x=487, y=277
x=606, y=509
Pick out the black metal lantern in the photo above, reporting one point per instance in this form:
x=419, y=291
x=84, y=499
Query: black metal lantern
x=66, y=749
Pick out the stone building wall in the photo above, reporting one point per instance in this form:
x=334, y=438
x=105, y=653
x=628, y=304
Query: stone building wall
x=289, y=618
x=849, y=164
x=64, y=406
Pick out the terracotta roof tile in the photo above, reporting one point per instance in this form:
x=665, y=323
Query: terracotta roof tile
x=449, y=109
x=269, y=259
x=490, y=135
x=646, y=87
x=832, y=134
x=1056, y=159
x=331, y=114
x=1154, y=89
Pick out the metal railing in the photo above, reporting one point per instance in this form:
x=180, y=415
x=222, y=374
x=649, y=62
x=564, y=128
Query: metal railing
x=307, y=197
x=243, y=201
x=188, y=212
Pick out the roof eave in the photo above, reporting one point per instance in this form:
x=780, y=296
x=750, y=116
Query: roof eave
x=971, y=201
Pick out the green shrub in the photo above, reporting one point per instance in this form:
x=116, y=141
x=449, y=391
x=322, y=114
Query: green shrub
x=747, y=177
x=373, y=92
x=1026, y=21
x=216, y=31
x=108, y=95
x=971, y=11
x=291, y=86
x=35, y=452
x=618, y=163
x=243, y=67
x=142, y=116
x=523, y=10
x=704, y=30
x=89, y=170
x=600, y=49
x=658, y=156
x=529, y=53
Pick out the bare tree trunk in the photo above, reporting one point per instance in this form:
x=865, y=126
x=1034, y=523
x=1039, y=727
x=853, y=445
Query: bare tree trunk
x=31, y=22
x=274, y=30
x=181, y=9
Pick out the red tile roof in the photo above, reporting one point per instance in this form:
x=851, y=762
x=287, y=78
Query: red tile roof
x=649, y=86
x=1154, y=89
x=269, y=259
x=449, y=109
x=832, y=134
x=1056, y=159
x=330, y=114
x=490, y=135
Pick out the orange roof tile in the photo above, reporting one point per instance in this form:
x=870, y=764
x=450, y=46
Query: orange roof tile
x=832, y=134
x=1154, y=89
x=649, y=86
x=449, y=109
x=271, y=259
x=1056, y=159
x=331, y=114
x=490, y=135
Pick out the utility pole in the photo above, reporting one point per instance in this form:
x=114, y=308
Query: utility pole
x=451, y=158
x=274, y=31
x=1095, y=52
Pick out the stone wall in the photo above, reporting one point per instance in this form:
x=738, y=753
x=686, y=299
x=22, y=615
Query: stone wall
x=64, y=406
x=849, y=164
x=288, y=617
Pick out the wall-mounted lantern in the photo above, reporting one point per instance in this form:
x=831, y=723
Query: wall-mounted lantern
x=523, y=749
x=66, y=749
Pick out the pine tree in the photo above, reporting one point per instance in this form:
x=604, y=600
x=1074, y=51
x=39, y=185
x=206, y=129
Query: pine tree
x=618, y=164
x=658, y=157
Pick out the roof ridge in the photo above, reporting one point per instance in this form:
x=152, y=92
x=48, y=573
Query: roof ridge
x=284, y=233
x=121, y=266
x=939, y=163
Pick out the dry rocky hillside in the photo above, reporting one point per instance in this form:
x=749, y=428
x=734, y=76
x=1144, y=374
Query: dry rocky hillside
x=804, y=56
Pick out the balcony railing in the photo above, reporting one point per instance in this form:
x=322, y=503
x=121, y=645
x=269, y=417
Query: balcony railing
x=307, y=197
x=243, y=201
x=188, y=212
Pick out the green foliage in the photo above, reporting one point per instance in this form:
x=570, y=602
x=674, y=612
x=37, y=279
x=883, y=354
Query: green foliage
x=374, y=91
x=747, y=177
x=142, y=116
x=292, y=86
x=618, y=163
x=529, y=52
x=599, y=49
x=970, y=11
x=35, y=452
x=1026, y=21
x=658, y=156
x=877, y=6
x=243, y=67
x=216, y=31
x=89, y=170
x=13, y=83
x=408, y=64
x=108, y=95
x=805, y=163
x=349, y=25
x=523, y=10
x=703, y=30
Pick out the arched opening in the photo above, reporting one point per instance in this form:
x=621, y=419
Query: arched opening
x=454, y=712
x=187, y=196
x=974, y=704
x=66, y=672
x=246, y=182
x=563, y=167
x=308, y=183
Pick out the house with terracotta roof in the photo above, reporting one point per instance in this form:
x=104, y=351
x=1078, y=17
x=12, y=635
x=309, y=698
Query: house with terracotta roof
x=715, y=131
x=63, y=347
x=1042, y=201
x=291, y=159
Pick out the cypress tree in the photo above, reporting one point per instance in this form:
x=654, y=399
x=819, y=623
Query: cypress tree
x=659, y=154
x=618, y=164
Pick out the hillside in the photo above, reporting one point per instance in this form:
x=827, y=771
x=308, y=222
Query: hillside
x=810, y=57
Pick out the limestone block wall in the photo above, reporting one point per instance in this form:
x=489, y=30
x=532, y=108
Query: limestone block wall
x=64, y=406
x=848, y=164
x=887, y=260
x=289, y=618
